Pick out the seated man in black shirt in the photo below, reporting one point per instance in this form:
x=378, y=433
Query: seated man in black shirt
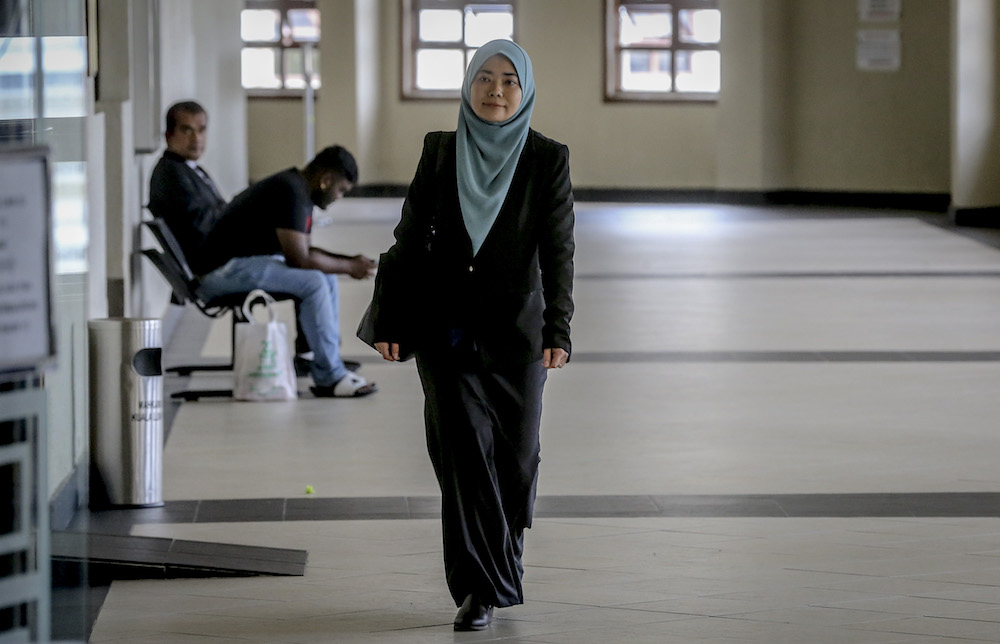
x=262, y=241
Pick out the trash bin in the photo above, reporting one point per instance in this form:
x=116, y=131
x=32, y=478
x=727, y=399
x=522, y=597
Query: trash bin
x=126, y=412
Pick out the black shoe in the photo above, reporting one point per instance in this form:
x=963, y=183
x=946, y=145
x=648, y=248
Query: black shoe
x=473, y=615
x=303, y=366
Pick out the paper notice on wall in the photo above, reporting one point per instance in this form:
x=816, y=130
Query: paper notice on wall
x=25, y=325
x=879, y=50
x=879, y=10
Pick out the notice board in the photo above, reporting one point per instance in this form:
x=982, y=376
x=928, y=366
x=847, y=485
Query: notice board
x=27, y=340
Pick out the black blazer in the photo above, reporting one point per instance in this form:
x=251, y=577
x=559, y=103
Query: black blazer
x=186, y=203
x=515, y=297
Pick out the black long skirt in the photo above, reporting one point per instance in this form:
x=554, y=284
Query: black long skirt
x=482, y=437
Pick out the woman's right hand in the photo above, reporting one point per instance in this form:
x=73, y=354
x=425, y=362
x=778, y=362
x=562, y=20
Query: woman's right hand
x=362, y=267
x=388, y=350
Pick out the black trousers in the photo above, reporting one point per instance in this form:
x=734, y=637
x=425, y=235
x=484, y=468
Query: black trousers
x=482, y=437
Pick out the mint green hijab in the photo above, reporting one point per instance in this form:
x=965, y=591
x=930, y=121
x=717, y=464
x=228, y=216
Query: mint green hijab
x=488, y=152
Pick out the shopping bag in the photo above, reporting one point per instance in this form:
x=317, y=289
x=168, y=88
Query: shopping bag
x=262, y=362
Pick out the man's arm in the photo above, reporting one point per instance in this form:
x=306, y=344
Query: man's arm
x=299, y=254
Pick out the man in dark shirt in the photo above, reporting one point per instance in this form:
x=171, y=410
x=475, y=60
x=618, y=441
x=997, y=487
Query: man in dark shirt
x=180, y=191
x=262, y=241
x=186, y=198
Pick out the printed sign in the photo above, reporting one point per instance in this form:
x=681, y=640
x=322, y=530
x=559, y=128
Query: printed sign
x=879, y=10
x=26, y=337
x=879, y=50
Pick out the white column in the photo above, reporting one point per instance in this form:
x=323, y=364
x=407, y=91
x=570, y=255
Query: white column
x=975, y=161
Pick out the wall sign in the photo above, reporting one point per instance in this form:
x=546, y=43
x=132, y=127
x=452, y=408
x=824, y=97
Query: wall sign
x=27, y=339
x=879, y=10
x=879, y=50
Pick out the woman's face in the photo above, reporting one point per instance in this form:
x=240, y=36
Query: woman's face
x=496, y=90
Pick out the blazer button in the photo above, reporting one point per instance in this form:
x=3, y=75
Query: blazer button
x=471, y=269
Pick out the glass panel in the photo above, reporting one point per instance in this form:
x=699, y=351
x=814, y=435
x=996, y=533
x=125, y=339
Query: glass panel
x=440, y=25
x=304, y=24
x=701, y=26
x=294, y=73
x=64, y=61
x=647, y=25
x=483, y=24
x=315, y=69
x=440, y=68
x=17, y=78
x=260, y=68
x=698, y=71
x=69, y=203
x=646, y=71
x=260, y=25
x=11, y=475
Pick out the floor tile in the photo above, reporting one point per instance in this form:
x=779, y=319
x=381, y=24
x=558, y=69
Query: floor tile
x=779, y=426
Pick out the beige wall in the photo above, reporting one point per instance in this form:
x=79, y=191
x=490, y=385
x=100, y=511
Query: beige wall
x=199, y=52
x=215, y=38
x=869, y=131
x=611, y=144
x=200, y=60
x=199, y=48
x=753, y=135
x=275, y=138
x=794, y=113
x=199, y=57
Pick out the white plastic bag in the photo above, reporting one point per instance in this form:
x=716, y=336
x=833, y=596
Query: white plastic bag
x=262, y=363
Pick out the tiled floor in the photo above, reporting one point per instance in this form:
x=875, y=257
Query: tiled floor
x=779, y=425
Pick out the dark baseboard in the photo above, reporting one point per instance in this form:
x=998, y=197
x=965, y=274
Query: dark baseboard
x=116, y=297
x=919, y=201
x=929, y=202
x=70, y=498
x=988, y=217
x=924, y=202
x=376, y=191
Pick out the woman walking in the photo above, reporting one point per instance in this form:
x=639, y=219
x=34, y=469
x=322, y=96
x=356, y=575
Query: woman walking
x=478, y=286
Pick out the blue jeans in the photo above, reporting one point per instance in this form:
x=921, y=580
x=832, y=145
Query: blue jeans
x=315, y=291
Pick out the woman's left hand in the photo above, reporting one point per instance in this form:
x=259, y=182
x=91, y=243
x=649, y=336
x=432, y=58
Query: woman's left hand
x=554, y=358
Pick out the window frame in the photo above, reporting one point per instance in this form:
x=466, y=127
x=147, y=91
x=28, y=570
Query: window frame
x=410, y=42
x=283, y=7
x=613, y=91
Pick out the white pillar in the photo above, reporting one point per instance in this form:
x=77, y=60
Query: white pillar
x=975, y=158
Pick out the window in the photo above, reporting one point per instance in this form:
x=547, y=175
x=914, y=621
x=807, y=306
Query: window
x=280, y=46
x=441, y=36
x=663, y=51
x=43, y=100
